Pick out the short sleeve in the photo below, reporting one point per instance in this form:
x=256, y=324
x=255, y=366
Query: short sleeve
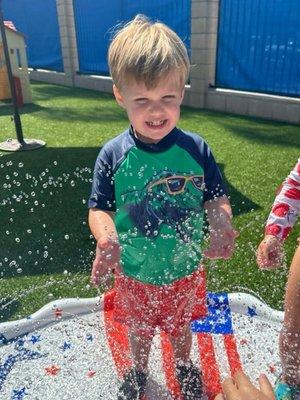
x=103, y=190
x=214, y=183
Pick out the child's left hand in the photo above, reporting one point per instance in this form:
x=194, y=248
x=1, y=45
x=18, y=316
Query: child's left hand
x=222, y=234
x=221, y=242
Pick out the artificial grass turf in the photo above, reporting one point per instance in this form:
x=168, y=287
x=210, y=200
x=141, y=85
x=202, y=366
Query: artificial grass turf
x=46, y=249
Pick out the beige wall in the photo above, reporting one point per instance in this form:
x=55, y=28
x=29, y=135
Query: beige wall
x=199, y=93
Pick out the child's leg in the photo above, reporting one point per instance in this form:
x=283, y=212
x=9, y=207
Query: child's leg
x=134, y=381
x=187, y=374
x=140, y=350
x=182, y=346
x=289, y=341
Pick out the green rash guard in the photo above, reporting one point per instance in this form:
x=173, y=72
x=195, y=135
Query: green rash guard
x=157, y=191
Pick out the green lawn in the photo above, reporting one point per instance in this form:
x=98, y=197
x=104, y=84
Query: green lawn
x=46, y=248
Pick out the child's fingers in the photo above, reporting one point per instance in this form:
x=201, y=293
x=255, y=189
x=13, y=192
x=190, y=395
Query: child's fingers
x=219, y=397
x=95, y=275
x=95, y=280
x=265, y=387
x=230, y=390
x=242, y=380
x=234, y=234
x=210, y=253
x=262, y=256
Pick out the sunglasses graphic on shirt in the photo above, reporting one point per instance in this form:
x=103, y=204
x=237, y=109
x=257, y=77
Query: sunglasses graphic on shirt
x=176, y=184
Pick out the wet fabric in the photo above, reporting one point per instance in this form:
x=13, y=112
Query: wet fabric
x=158, y=191
x=143, y=307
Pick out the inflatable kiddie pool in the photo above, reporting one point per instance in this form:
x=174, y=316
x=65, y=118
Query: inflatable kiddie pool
x=73, y=349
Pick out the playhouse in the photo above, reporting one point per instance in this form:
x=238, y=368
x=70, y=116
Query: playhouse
x=19, y=66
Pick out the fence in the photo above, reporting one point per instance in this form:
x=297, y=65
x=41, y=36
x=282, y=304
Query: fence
x=95, y=20
x=38, y=21
x=259, y=46
x=241, y=58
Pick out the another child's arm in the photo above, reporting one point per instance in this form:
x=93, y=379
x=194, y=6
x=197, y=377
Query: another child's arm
x=241, y=388
x=283, y=216
x=107, y=249
x=222, y=233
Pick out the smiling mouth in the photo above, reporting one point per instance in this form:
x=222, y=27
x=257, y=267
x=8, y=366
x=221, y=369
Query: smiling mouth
x=157, y=124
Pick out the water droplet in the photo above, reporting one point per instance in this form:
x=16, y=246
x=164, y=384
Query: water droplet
x=13, y=263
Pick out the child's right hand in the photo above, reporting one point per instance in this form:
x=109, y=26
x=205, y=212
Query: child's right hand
x=106, y=260
x=269, y=253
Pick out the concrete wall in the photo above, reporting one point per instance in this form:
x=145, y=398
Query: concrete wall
x=200, y=93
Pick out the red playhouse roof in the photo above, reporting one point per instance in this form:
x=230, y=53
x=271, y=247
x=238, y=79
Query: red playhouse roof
x=10, y=25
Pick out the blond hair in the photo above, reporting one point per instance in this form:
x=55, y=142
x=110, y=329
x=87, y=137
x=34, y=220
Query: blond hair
x=146, y=51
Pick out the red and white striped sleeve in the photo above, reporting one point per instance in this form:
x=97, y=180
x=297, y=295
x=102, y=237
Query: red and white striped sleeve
x=286, y=206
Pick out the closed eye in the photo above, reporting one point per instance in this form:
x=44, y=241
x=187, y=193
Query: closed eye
x=169, y=97
x=141, y=100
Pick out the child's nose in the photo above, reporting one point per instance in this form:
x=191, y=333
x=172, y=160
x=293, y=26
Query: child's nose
x=156, y=108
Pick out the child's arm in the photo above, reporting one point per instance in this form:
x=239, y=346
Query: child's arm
x=283, y=216
x=222, y=234
x=107, y=249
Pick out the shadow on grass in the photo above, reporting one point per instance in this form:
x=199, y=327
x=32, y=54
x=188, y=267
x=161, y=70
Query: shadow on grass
x=8, y=308
x=26, y=109
x=280, y=137
x=240, y=204
x=43, y=211
x=70, y=111
x=257, y=130
x=44, y=91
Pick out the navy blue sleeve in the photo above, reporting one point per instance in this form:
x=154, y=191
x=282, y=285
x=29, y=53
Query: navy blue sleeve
x=214, y=183
x=103, y=190
x=200, y=151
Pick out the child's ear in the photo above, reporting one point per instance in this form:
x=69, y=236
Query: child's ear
x=182, y=94
x=118, y=96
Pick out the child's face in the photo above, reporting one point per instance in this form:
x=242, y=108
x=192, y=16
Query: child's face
x=154, y=112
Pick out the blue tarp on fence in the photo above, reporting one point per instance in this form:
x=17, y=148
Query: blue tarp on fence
x=259, y=46
x=94, y=21
x=37, y=20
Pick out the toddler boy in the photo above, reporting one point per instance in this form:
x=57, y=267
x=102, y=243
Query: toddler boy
x=151, y=186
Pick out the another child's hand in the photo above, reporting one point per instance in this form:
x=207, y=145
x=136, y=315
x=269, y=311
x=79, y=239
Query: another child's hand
x=221, y=242
x=106, y=260
x=241, y=388
x=269, y=253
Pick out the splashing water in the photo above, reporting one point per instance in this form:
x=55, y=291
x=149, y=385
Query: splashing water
x=47, y=255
